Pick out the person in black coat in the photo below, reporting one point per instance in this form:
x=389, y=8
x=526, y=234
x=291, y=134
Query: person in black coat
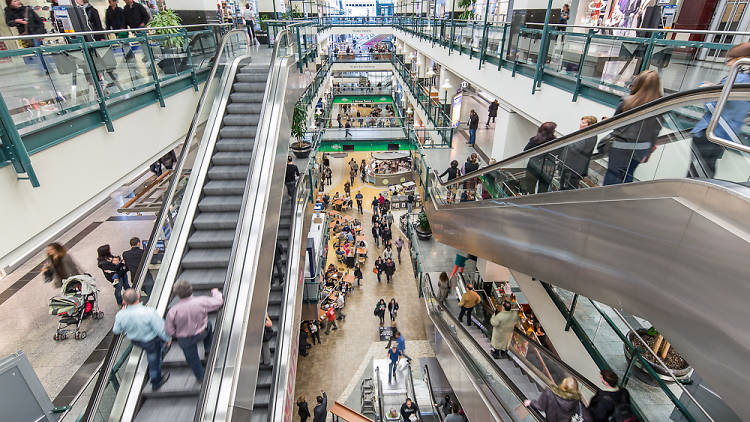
x=114, y=271
x=302, y=409
x=576, y=158
x=452, y=171
x=492, y=112
x=407, y=409
x=380, y=266
x=321, y=410
x=114, y=18
x=133, y=258
x=604, y=402
x=93, y=20
x=24, y=19
x=390, y=269
x=473, y=126
x=136, y=16
x=358, y=275
x=541, y=168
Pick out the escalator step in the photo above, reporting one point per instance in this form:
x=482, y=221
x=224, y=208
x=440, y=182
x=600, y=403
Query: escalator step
x=231, y=158
x=181, y=383
x=241, y=119
x=255, y=69
x=262, y=397
x=249, y=87
x=246, y=97
x=206, y=258
x=228, y=172
x=235, y=144
x=174, y=409
x=260, y=413
x=224, y=187
x=265, y=378
x=244, y=108
x=237, y=132
x=274, y=298
x=220, y=203
x=216, y=220
x=251, y=77
x=211, y=239
x=204, y=278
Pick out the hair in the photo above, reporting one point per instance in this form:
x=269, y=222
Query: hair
x=289, y=159
x=381, y=301
x=319, y=399
x=454, y=163
x=103, y=252
x=569, y=385
x=506, y=305
x=8, y=2
x=393, y=299
x=609, y=377
x=183, y=289
x=56, y=259
x=469, y=286
x=134, y=241
x=444, y=276
x=739, y=50
x=591, y=120
x=408, y=399
x=454, y=408
x=545, y=133
x=301, y=396
x=130, y=296
x=645, y=88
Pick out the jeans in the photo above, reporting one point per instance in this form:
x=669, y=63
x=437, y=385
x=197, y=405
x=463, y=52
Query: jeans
x=351, y=180
x=490, y=119
x=472, y=136
x=622, y=164
x=359, y=205
x=399, y=254
x=290, y=188
x=392, y=371
x=377, y=241
x=378, y=274
x=409, y=205
x=382, y=318
x=153, y=349
x=122, y=284
x=387, y=277
x=316, y=335
x=467, y=311
x=189, y=346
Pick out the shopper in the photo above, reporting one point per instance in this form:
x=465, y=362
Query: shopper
x=610, y=402
x=455, y=415
x=358, y=275
x=385, y=235
x=136, y=16
x=730, y=124
x=339, y=307
x=390, y=269
x=379, y=267
x=331, y=319
x=144, y=328
x=458, y=264
x=541, y=168
x=290, y=178
x=302, y=409
x=562, y=403
x=265, y=351
x=388, y=253
x=348, y=189
x=114, y=271
x=469, y=300
x=187, y=322
x=492, y=112
x=133, y=257
x=389, y=219
x=359, y=198
x=247, y=16
x=400, y=343
x=409, y=202
x=394, y=356
x=315, y=331
x=376, y=233
x=473, y=126
x=503, y=323
x=321, y=410
x=352, y=174
x=452, y=171
x=445, y=405
x=471, y=165
x=576, y=157
x=59, y=265
x=399, y=243
x=408, y=409
x=632, y=144
x=25, y=20
x=444, y=287
x=114, y=17
x=393, y=309
x=375, y=205
x=380, y=308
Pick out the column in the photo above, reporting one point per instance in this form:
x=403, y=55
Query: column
x=448, y=85
x=421, y=65
x=512, y=133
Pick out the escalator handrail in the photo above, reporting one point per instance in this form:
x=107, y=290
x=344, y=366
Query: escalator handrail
x=631, y=116
x=462, y=352
x=716, y=116
x=161, y=217
x=380, y=394
x=433, y=402
x=410, y=392
x=572, y=372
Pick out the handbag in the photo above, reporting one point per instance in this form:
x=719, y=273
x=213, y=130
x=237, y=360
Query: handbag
x=48, y=275
x=578, y=417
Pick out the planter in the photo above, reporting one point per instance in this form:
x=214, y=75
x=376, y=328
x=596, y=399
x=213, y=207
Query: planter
x=421, y=235
x=682, y=372
x=301, y=150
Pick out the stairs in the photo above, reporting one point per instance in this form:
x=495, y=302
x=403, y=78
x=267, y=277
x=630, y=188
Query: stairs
x=206, y=261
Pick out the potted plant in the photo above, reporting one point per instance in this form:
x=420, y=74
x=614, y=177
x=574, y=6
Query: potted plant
x=172, y=58
x=423, y=230
x=300, y=148
x=662, y=348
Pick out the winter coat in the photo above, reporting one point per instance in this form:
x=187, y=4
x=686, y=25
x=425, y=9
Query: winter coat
x=33, y=21
x=392, y=308
x=603, y=403
x=502, y=328
x=470, y=299
x=379, y=309
x=114, y=18
x=65, y=268
x=303, y=411
x=321, y=410
x=110, y=270
x=444, y=288
x=94, y=21
x=389, y=268
x=473, y=121
x=559, y=406
x=493, y=109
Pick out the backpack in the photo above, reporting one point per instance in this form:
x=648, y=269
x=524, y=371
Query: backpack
x=622, y=411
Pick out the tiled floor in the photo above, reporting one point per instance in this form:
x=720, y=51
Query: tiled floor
x=333, y=365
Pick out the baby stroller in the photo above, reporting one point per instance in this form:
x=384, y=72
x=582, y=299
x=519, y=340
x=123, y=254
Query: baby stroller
x=78, y=301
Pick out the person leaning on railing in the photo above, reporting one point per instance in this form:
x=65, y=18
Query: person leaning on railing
x=25, y=20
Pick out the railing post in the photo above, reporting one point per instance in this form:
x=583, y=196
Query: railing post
x=648, y=53
x=190, y=62
x=629, y=368
x=97, y=86
x=299, y=50
x=541, y=58
x=502, y=48
x=157, y=84
x=581, y=62
x=453, y=27
x=15, y=149
x=572, y=309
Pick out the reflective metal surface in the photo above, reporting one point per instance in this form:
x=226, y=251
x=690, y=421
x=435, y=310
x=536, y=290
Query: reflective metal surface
x=716, y=116
x=672, y=251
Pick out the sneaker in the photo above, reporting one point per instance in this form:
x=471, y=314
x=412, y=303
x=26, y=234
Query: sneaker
x=164, y=378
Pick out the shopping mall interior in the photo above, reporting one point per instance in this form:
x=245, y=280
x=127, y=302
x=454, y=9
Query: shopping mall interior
x=487, y=210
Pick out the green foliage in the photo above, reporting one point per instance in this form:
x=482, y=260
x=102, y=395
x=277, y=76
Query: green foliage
x=168, y=18
x=424, y=224
x=468, y=6
x=299, y=122
x=652, y=332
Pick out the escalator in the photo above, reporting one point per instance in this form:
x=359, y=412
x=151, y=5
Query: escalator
x=227, y=206
x=669, y=247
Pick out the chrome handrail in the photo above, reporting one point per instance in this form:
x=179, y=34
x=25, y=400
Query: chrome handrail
x=160, y=220
x=439, y=416
x=113, y=31
x=716, y=116
x=630, y=116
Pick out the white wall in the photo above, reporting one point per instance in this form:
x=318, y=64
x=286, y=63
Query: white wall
x=77, y=174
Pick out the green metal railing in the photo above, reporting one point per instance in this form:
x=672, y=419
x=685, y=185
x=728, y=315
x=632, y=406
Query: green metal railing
x=305, y=32
x=71, y=84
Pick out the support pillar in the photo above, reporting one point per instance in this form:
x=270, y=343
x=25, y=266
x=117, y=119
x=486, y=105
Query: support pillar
x=512, y=133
